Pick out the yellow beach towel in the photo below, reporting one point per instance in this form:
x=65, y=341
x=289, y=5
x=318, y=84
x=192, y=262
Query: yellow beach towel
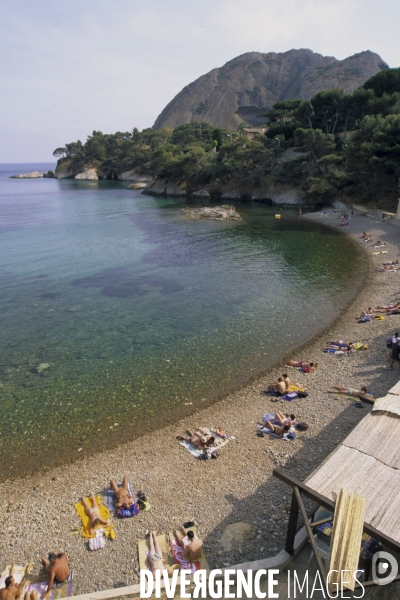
x=104, y=513
x=296, y=388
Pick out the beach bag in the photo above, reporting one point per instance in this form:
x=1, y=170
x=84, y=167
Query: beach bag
x=302, y=394
x=209, y=453
x=302, y=426
x=389, y=343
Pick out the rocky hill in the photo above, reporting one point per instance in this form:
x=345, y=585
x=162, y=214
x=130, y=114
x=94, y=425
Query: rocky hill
x=245, y=88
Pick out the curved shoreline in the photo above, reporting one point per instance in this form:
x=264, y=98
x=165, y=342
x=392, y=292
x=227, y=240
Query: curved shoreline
x=236, y=487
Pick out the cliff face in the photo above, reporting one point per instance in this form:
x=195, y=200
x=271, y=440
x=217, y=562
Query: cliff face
x=245, y=88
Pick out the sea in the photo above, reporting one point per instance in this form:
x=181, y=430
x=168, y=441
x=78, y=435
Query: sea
x=119, y=313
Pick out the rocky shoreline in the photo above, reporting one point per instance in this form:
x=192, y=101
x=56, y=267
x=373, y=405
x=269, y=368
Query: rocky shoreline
x=38, y=511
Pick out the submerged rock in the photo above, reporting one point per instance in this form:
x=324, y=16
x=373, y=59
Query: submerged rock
x=220, y=213
x=42, y=367
x=140, y=185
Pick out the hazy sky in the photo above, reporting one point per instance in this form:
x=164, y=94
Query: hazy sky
x=71, y=67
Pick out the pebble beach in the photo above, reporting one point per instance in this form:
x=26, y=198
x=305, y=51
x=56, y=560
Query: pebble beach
x=38, y=512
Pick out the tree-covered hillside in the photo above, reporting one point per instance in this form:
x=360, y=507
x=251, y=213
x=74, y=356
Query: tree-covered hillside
x=342, y=145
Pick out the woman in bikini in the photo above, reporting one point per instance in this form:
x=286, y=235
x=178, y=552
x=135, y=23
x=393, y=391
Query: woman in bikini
x=155, y=557
x=123, y=497
x=93, y=513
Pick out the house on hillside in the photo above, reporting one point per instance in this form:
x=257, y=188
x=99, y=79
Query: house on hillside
x=251, y=132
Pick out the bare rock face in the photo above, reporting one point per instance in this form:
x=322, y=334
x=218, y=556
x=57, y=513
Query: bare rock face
x=32, y=175
x=175, y=189
x=245, y=88
x=133, y=175
x=88, y=174
x=219, y=213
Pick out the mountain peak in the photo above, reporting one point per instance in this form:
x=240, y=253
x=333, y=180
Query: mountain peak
x=246, y=87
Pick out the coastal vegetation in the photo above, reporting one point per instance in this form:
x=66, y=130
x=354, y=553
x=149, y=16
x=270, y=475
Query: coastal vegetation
x=335, y=145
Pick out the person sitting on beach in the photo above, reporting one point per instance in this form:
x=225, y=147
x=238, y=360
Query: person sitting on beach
x=349, y=391
x=378, y=244
x=304, y=366
x=201, y=440
x=93, y=513
x=277, y=429
x=343, y=223
x=366, y=236
x=395, y=351
x=192, y=546
x=123, y=497
x=286, y=381
x=155, y=557
x=12, y=589
x=278, y=386
x=57, y=569
x=391, y=262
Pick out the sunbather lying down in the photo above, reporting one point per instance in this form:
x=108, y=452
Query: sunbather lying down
x=201, y=439
x=277, y=429
x=282, y=420
x=307, y=367
x=93, y=513
x=155, y=558
x=388, y=307
x=123, y=497
x=378, y=244
x=387, y=269
x=349, y=391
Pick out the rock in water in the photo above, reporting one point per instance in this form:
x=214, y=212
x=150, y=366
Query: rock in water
x=220, y=213
x=42, y=367
x=88, y=174
x=32, y=175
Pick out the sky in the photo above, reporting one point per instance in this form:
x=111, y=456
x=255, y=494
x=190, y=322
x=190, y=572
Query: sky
x=69, y=68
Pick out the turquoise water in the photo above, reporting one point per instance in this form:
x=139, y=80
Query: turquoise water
x=140, y=313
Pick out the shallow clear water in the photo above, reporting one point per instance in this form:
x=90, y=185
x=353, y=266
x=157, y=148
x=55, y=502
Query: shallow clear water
x=139, y=311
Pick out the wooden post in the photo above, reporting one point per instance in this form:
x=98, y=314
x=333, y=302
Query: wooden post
x=292, y=525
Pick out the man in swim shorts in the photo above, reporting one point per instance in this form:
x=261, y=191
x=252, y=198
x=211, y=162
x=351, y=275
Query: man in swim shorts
x=349, y=391
x=278, y=386
x=192, y=546
x=123, y=497
x=94, y=515
x=57, y=569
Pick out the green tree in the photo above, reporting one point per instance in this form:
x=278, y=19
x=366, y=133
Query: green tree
x=315, y=142
x=384, y=82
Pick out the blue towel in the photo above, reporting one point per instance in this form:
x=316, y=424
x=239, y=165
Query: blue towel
x=111, y=497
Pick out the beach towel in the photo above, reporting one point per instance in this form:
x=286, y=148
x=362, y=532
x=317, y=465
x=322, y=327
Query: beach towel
x=179, y=557
x=381, y=252
x=219, y=443
x=296, y=388
x=104, y=513
x=58, y=590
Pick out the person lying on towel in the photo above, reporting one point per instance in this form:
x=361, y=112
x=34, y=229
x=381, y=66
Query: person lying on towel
x=12, y=589
x=155, y=557
x=349, y=391
x=93, y=513
x=201, y=440
x=282, y=420
x=57, y=569
x=277, y=429
x=122, y=495
x=192, y=546
x=304, y=366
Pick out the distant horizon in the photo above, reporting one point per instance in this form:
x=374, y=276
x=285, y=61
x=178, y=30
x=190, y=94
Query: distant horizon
x=71, y=69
